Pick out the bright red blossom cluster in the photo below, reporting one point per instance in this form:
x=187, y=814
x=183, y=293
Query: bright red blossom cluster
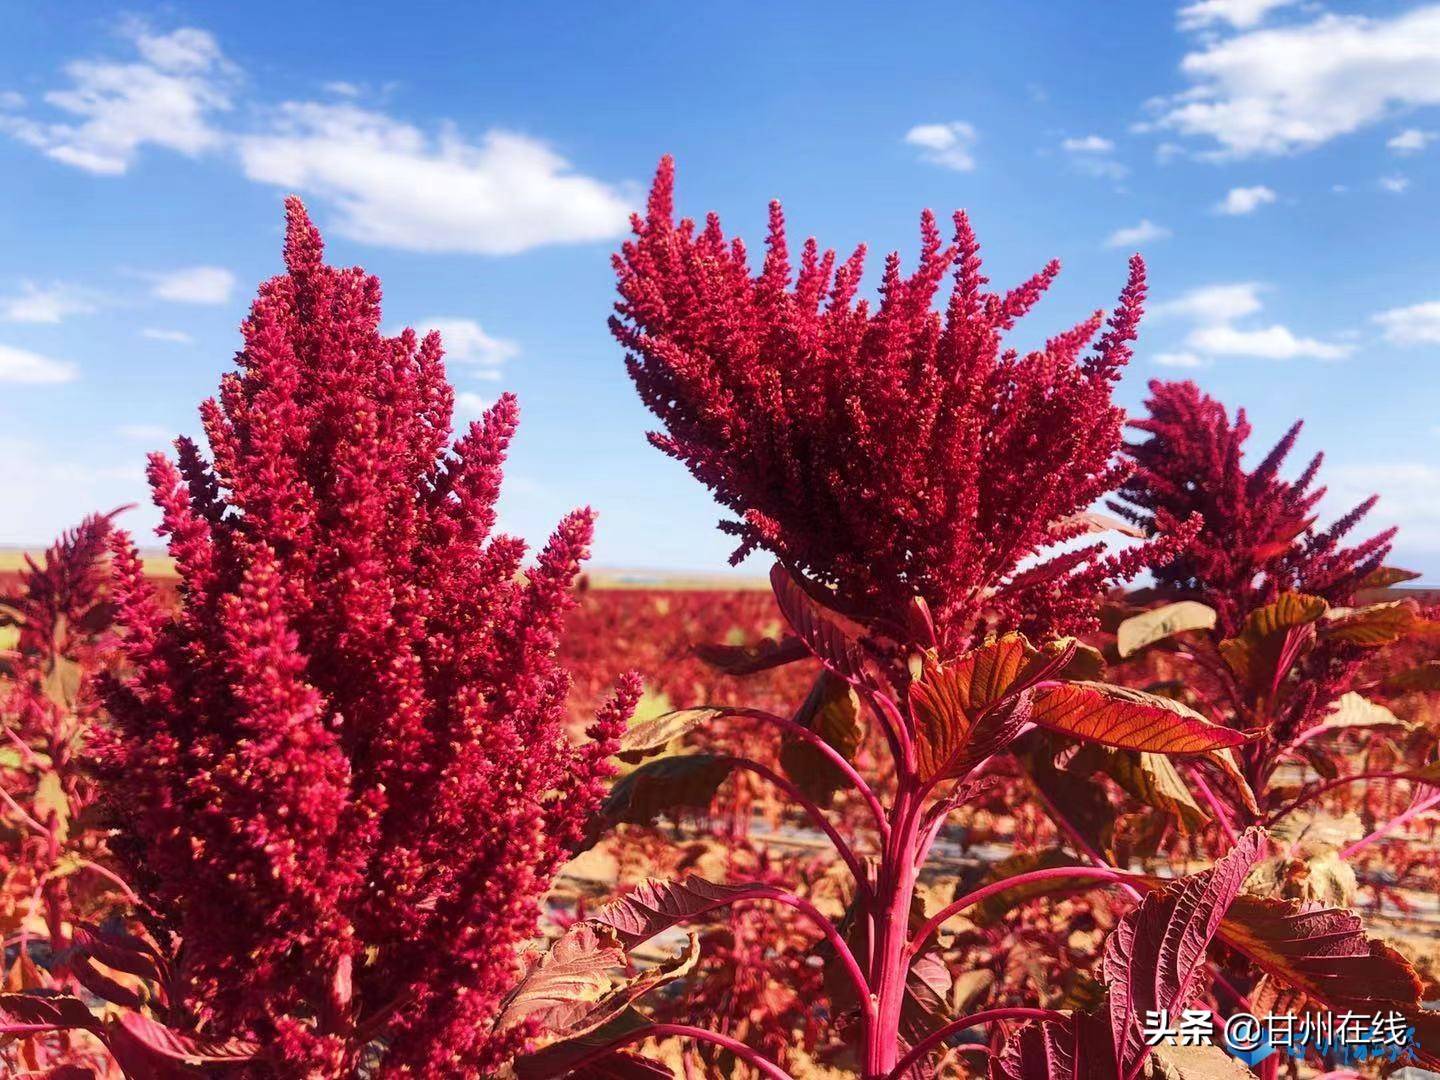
x=890, y=452
x=341, y=772
x=1259, y=538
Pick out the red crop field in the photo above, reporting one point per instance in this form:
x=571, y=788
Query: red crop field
x=1057, y=744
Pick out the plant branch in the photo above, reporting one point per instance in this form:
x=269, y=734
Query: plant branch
x=940, y=1034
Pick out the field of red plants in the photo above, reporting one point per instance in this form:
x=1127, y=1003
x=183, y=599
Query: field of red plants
x=1058, y=742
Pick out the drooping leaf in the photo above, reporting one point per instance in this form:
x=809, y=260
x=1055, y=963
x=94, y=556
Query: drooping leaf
x=1223, y=764
x=1351, y=710
x=1151, y=626
x=836, y=647
x=123, y=952
x=664, y=786
x=751, y=659
x=1374, y=626
x=654, y=906
x=1324, y=952
x=832, y=711
x=649, y=737
x=995, y=909
x=1382, y=577
x=1128, y=719
x=169, y=1046
x=58, y=1010
x=582, y=983
x=1424, y=677
x=560, y=1058
x=1151, y=778
x=1157, y=952
x=1271, y=640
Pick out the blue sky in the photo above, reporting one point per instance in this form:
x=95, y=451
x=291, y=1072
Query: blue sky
x=1275, y=160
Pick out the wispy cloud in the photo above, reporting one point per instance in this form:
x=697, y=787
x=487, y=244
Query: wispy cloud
x=951, y=145
x=165, y=95
x=1143, y=232
x=45, y=304
x=1279, y=90
x=192, y=285
x=23, y=366
x=1216, y=314
x=1245, y=200
x=1418, y=324
x=174, y=337
x=1091, y=155
x=1395, y=185
x=1238, y=14
x=1410, y=141
x=393, y=184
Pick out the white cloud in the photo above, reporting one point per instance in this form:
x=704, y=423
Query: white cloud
x=1291, y=88
x=193, y=285
x=1180, y=360
x=37, y=304
x=1396, y=185
x=1409, y=498
x=23, y=366
x=1418, y=324
x=146, y=433
x=1213, y=311
x=166, y=98
x=951, y=145
x=1212, y=303
x=340, y=88
x=175, y=337
x=1410, y=141
x=45, y=491
x=1141, y=233
x=1240, y=14
x=1245, y=200
x=1274, y=342
x=470, y=405
x=466, y=342
x=396, y=186
x=1088, y=144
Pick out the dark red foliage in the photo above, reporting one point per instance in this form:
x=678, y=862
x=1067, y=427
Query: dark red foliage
x=340, y=771
x=1259, y=537
x=883, y=451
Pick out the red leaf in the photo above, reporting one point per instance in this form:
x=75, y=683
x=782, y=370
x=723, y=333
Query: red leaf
x=833, y=644
x=749, y=659
x=654, y=906
x=1129, y=719
x=1156, y=952
x=166, y=1045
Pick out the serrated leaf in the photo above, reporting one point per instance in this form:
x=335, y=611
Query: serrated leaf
x=582, y=983
x=1271, y=639
x=1151, y=626
x=832, y=711
x=649, y=737
x=654, y=906
x=1157, y=952
x=663, y=786
x=1128, y=719
x=1374, y=626
x=559, y=1058
x=835, y=646
x=996, y=908
x=168, y=1045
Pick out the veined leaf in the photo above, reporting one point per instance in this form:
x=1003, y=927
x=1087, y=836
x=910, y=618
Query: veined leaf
x=168, y=1046
x=1157, y=951
x=663, y=786
x=1424, y=677
x=1128, y=719
x=995, y=909
x=750, y=659
x=559, y=1058
x=1353, y=711
x=649, y=737
x=654, y=906
x=832, y=711
x=827, y=639
x=1151, y=778
x=581, y=983
x=1271, y=639
x=1223, y=762
x=1382, y=577
x=1374, y=626
x=1151, y=626
x=1321, y=951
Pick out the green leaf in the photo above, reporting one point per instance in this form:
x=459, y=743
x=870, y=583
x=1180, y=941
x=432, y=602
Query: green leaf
x=832, y=711
x=1151, y=626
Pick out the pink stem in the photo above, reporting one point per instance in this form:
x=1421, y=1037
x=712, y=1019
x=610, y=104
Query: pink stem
x=1216, y=807
x=1391, y=825
x=1331, y=785
x=1078, y=839
x=1105, y=874
x=754, y=1058
x=940, y=1034
x=815, y=813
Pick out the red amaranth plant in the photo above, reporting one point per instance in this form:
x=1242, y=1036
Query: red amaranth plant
x=901, y=467
x=55, y=877
x=340, y=772
x=889, y=453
